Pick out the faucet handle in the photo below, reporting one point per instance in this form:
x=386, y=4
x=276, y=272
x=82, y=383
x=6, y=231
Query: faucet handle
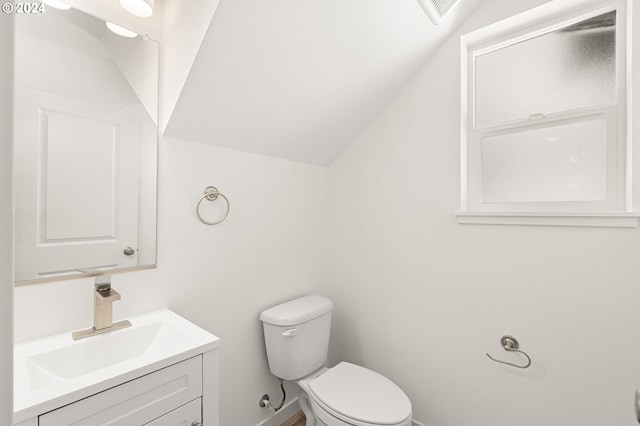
x=107, y=294
x=104, y=292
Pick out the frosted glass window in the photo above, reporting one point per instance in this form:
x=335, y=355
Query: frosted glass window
x=567, y=69
x=560, y=163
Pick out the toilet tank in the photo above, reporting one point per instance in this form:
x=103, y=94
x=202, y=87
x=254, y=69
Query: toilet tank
x=296, y=336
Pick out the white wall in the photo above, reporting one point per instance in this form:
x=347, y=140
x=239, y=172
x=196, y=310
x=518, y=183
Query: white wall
x=185, y=26
x=271, y=248
x=6, y=218
x=422, y=299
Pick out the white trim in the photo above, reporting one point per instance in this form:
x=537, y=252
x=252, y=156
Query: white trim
x=289, y=409
x=628, y=170
x=548, y=12
x=555, y=22
x=592, y=219
x=7, y=193
x=464, y=124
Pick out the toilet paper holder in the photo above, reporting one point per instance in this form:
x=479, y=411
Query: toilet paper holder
x=510, y=344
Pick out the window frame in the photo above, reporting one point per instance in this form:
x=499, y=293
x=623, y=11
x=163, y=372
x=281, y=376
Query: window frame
x=534, y=23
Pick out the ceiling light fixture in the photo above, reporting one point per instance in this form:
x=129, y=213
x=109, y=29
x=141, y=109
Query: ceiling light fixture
x=120, y=30
x=58, y=4
x=142, y=8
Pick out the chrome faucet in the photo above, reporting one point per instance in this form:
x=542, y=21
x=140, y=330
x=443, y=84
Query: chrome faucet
x=103, y=298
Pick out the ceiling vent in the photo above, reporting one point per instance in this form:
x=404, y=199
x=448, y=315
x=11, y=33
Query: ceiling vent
x=436, y=9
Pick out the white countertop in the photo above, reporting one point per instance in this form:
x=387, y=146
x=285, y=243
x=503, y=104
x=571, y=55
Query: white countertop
x=56, y=370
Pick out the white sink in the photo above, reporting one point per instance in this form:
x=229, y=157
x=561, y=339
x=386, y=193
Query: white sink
x=56, y=370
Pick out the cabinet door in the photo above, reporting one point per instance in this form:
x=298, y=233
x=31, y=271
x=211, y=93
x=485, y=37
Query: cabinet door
x=136, y=402
x=186, y=415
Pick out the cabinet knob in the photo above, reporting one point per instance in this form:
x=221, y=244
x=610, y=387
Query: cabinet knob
x=196, y=424
x=128, y=251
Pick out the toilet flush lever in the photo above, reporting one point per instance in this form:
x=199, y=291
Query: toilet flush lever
x=290, y=333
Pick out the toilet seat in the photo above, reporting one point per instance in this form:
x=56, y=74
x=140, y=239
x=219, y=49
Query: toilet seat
x=360, y=397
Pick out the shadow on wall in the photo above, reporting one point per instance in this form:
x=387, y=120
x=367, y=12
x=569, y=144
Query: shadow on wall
x=343, y=336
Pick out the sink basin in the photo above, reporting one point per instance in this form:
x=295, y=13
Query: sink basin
x=57, y=370
x=89, y=355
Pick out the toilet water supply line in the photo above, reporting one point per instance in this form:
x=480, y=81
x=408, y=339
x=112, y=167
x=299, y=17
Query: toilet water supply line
x=264, y=401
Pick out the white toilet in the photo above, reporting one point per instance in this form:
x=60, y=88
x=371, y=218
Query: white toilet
x=296, y=335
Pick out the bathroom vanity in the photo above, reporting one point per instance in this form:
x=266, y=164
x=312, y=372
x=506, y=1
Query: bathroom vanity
x=162, y=371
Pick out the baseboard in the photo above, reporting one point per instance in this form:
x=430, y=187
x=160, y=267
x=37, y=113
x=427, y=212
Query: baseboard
x=286, y=412
x=416, y=423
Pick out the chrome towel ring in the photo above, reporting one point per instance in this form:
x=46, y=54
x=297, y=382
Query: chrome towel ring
x=211, y=193
x=510, y=344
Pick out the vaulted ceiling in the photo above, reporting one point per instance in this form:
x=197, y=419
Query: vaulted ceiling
x=299, y=79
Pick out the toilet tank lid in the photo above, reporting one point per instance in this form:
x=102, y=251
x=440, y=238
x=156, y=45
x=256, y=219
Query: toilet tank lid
x=297, y=311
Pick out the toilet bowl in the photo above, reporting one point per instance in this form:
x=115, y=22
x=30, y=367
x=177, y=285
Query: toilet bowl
x=351, y=395
x=297, y=338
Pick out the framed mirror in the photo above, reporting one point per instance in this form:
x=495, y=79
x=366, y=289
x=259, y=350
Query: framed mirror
x=85, y=147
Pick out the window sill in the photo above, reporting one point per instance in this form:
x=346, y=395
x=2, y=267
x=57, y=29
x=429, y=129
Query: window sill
x=595, y=219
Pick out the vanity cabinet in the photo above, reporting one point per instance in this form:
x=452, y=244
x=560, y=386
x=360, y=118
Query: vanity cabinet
x=160, y=371
x=189, y=414
x=137, y=402
x=171, y=396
